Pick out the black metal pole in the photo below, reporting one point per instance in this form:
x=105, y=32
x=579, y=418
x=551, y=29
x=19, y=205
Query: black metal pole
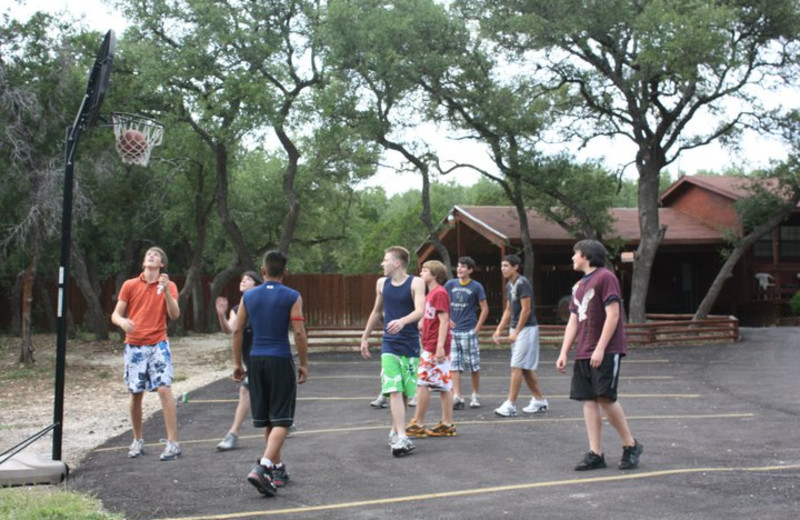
x=73, y=133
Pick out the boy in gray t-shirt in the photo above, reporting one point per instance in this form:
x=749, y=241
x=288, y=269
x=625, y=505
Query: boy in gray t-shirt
x=524, y=338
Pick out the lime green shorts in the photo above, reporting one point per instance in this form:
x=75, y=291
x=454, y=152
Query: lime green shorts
x=399, y=374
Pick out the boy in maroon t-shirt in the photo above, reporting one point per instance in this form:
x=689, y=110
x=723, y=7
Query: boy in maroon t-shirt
x=596, y=321
x=434, y=363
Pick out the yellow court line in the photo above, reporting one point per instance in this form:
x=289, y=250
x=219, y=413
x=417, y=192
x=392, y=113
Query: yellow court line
x=501, y=363
x=561, y=377
x=498, y=422
x=487, y=490
x=486, y=396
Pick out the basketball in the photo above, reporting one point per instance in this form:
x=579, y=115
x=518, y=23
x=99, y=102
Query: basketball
x=132, y=143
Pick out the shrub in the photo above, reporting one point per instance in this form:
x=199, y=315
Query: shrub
x=794, y=304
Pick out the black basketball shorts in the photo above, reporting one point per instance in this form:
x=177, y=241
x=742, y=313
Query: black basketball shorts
x=590, y=383
x=273, y=391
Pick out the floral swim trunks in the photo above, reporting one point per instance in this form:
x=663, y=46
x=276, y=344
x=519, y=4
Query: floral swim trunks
x=148, y=367
x=434, y=375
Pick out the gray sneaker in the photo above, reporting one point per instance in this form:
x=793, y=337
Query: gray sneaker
x=172, y=451
x=136, y=449
x=458, y=403
x=230, y=442
x=380, y=402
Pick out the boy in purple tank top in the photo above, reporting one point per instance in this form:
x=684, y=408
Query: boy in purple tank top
x=400, y=299
x=596, y=320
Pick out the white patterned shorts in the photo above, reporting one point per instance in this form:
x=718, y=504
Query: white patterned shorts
x=148, y=367
x=435, y=376
x=465, y=355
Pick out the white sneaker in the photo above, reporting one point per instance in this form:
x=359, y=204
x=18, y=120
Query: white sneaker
x=413, y=401
x=392, y=437
x=474, y=402
x=380, y=402
x=507, y=409
x=536, y=406
x=229, y=442
x=402, y=446
x=136, y=449
x=171, y=452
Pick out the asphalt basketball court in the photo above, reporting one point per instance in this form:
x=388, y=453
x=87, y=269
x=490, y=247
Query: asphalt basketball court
x=719, y=425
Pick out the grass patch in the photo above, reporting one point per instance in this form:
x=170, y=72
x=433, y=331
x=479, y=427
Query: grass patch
x=104, y=374
x=51, y=503
x=33, y=372
x=178, y=379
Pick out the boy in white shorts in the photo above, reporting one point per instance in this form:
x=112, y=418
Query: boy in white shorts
x=434, y=365
x=143, y=306
x=524, y=338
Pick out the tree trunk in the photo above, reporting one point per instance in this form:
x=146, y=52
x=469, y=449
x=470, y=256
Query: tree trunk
x=524, y=230
x=241, y=254
x=49, y=314
x=95, y=318
x=28, y=279
x=290, y=173
x=200, y=322
x=427, y=221
x=651, y=236
x=742, y=246
x=191, y=286
x=16, y=299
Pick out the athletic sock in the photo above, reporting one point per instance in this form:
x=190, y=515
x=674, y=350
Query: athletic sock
x=267, y=463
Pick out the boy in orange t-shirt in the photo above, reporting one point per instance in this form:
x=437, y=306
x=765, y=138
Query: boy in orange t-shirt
x=142, y=309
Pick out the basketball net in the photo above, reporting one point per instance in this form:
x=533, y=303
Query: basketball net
x=135, y=137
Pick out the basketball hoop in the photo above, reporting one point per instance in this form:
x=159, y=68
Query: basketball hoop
x=135, y=137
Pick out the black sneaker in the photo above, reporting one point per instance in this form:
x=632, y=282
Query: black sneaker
x=630, y=456
x=280, y=476
x=261, y=478
x=591, y=461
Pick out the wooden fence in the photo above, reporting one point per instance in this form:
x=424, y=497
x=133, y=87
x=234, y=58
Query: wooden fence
x=660, y=329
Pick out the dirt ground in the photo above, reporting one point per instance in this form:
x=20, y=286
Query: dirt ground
x=95, y=397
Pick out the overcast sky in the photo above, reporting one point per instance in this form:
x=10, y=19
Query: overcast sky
x=755, y=151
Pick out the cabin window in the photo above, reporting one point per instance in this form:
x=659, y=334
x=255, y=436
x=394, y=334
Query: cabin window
x=763, y=247
x=790, y=242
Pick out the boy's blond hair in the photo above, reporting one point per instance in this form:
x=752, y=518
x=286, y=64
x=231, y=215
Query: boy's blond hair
x=400, y=253
x=437, y=269
x=161, y=253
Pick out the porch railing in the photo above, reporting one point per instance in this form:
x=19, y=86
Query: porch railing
x=660, y=329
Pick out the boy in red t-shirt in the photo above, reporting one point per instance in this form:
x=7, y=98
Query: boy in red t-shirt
x=434, y=364
x=596, y=320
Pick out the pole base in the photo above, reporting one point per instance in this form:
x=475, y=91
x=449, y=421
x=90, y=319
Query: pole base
x=25, y=469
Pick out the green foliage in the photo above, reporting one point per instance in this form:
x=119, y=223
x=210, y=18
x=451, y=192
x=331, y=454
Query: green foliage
x=50, y=503
x=794, y=304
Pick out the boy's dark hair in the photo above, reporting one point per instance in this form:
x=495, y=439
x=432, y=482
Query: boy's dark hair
x=468, y=261
x=275, y=262
x=512, y=259
x=253, y=276
x=593, y=251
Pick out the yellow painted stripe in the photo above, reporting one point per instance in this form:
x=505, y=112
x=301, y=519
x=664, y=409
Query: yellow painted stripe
x=497, y=422
x=627, y=361
x=505, y=377
x=488, y=490
x=487, y=396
